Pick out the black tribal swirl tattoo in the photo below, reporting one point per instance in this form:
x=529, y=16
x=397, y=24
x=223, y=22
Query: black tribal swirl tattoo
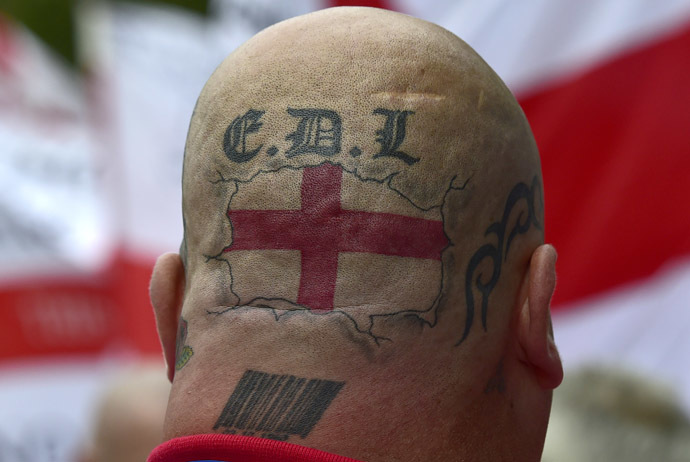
x=498, y=252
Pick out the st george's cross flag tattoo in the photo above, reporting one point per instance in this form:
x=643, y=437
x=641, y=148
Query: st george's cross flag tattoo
x=329, y=228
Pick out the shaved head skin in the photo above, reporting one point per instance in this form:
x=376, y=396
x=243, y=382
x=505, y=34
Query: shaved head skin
x=363, y=268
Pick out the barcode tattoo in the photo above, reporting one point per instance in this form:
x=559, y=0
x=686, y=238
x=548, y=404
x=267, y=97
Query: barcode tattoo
x=276, y=406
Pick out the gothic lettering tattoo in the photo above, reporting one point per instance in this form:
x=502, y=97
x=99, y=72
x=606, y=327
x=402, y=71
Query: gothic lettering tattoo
x=276, y=406
x=391, y=136
x=235, y=140
x=318, y=132
x=182, y=352
x=496, y=253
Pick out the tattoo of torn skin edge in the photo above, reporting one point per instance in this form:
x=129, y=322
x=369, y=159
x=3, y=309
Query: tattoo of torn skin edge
x=280, y=308
x=498, y=253
x=182, y=352
x=276, y=406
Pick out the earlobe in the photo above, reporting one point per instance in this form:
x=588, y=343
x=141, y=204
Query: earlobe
x=167, y=293
x=535, y=330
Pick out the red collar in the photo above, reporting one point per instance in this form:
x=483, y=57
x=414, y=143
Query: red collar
x=234, y=448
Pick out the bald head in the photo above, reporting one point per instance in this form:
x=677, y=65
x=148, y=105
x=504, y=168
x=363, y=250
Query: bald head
x=361, y=198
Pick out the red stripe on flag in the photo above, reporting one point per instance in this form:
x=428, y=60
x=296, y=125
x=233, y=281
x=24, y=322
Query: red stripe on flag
x=319, y=253
x=615, y=145
x=321, y=230
x=86, y=316
x=56, y=318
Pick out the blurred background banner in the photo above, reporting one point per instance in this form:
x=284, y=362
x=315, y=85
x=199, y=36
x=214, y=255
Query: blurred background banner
x=93, y=117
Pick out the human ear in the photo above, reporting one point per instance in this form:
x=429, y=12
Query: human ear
x=535, y=330
x=167, y=292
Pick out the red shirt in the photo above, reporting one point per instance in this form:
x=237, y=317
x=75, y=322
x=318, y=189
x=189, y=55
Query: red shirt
x=234, y=448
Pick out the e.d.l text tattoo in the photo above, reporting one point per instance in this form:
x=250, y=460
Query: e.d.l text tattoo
x=318, y=131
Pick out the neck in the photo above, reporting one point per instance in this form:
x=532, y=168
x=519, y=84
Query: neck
x=305, y=381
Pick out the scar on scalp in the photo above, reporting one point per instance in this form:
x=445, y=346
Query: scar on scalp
x=410, y=96
x=480, y=100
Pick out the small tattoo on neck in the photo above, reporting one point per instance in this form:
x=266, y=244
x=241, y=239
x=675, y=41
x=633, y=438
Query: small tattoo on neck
x=182, y=352
x=497, y=382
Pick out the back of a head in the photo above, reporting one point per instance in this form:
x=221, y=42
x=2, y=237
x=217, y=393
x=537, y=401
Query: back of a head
x=362, y=201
